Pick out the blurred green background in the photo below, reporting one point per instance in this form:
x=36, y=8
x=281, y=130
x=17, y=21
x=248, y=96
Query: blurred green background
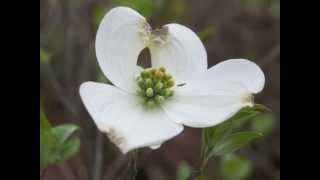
x=228, y=28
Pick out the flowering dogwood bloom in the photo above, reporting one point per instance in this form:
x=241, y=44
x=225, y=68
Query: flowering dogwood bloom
x=146, y=107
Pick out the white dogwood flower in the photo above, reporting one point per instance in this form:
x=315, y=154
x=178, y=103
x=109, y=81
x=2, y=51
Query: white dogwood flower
x=147, y=107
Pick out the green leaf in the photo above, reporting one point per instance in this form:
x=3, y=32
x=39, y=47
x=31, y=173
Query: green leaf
x=46, y=146
x=216, y=134
x=234, y=167
x=68, y=149
x=234, y=142
x=63, y=132
x=263, y=123
x=55, y=145
x=44, y=122
x=184, y=171
x=261, y=108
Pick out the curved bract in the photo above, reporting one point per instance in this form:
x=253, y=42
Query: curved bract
x=202, y=97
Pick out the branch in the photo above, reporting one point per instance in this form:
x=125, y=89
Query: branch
x=98, y=158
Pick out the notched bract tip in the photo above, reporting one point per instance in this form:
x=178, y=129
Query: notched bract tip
x=117, y=138
x=160, y=35
x=157, y=36
x=249, y=98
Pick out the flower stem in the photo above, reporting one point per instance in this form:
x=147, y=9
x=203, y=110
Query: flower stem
x=133, y=171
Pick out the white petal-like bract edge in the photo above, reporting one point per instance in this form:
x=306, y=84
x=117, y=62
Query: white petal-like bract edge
x=183, y=55
x=202, y=111
x=126, y=122
x=118, y=45
x=237, y=71
x=217, y=95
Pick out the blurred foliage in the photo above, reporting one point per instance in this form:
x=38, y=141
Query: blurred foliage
x=275, y=8
x=225, y=138
x=263, y=123
x=184, y=171
x=234, y=142
x=206, y=33
x=272, y=5
x=99, y=12
x=145, y=7
x=173, y=10
x=44, y=56
x=235, y=167
x=201, y=178
x=55, y=142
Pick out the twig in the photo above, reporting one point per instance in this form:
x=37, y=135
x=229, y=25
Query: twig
x=114, y=169
x=98, y=158
x=131, y=170
x=133, y=162
x=47, y=71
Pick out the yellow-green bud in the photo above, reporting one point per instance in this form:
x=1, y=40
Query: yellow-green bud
x=148, y=82
x=158, y=74
x=167, y=77
x=140, y=92
x=141, y=83
x=150, y=103
x=165, y=93
x=159, y=99
x=171, y=93
x=149, y=92
x=170, y=83
x=158, y=87
x=162, y=69
x=146, y=73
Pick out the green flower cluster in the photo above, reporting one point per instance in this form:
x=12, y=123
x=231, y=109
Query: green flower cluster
x=154, y=86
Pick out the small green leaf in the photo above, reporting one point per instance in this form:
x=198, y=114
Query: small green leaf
x=217, y=133
x=44, y=122
x=214, y=135
x=234, y=142
x=68, y=149
x=234, y=167
x=55, y=145
x=46, y=143
x=261, y=108
x=184, y=171
x=263, y=123
x=63, y=132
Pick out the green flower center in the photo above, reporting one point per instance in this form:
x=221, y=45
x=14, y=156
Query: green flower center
x=154, y=86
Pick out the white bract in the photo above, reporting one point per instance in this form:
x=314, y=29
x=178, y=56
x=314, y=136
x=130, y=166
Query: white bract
x=198, y=97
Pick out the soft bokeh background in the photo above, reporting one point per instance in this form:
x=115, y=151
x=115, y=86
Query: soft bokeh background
x=229, y=29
